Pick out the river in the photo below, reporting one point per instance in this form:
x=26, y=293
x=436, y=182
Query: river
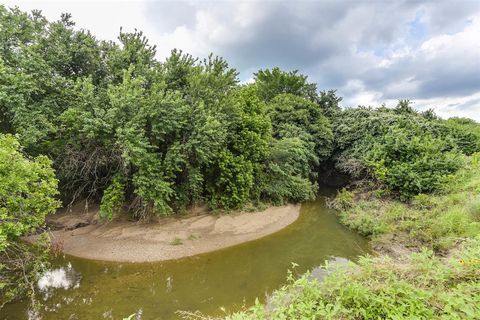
x=227, y=279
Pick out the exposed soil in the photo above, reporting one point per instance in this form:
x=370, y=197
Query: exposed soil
x=79, y=233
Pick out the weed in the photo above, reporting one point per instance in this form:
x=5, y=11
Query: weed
x=177, y=242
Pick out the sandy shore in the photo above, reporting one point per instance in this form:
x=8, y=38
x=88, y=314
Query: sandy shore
x=171, y=238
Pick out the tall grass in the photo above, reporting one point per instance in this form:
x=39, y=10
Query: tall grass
x=437, y=221
x=422, y=284
x=419, y=286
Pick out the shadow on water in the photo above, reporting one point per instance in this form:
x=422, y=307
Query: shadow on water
x=230, y=278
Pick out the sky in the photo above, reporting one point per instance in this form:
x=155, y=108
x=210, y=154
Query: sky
x=371, y=52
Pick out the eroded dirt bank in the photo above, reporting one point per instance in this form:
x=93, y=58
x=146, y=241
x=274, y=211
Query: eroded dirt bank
x=168, y=238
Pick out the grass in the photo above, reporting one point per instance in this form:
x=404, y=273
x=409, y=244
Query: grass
x=177, y=242
x=437, y=221
x=420, y=286
x=438, y=279
x=192, y=237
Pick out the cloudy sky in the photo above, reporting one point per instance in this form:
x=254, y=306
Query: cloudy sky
x=372, y=52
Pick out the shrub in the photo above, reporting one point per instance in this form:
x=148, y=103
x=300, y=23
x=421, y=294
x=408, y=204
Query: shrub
x=411, y=163
x=409, y=153
x=420, y=286
x=343, y=200
x=113, y=198
x=27, y=191
x=27, y=194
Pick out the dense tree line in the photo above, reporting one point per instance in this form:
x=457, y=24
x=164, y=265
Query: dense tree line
x=125, y=128
x=122, y=127
x=405, y=151
x=155, y=137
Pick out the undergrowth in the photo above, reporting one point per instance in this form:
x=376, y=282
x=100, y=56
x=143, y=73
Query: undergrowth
x=438, y=279
x=420, y=286
x=437, y=221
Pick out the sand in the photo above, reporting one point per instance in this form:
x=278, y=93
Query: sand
x=167, y=238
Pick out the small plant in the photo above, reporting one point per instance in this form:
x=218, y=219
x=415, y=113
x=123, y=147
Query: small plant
x=422, y=201
x=177, y=241
x=475, y=160
x=420, y=286
x=343, y=200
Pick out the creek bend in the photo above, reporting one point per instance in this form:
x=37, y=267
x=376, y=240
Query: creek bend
x=229, y=278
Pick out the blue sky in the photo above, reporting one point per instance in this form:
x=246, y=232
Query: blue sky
x=372, y=52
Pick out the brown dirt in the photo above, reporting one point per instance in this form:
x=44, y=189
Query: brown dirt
x=165, y=239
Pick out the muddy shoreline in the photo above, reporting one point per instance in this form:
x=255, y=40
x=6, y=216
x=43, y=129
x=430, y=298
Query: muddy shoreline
x=168, y=238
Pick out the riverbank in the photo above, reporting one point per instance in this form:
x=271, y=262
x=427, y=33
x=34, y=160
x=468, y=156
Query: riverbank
x=428, y=265
x=168, y=238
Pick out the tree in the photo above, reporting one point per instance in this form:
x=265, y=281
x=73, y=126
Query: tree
x=294, y=116
x=288, y=175
x=330, y=103
x=27, y=191
x=400, y=148
x=273, y=82
x=27, y=194
x=234, y=179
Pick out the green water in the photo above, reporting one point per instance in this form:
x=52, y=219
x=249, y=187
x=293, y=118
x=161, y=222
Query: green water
x=229, y=278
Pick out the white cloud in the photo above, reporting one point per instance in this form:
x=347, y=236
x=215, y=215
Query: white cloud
x=372, y=52
x=104, y=18
x=442, y=73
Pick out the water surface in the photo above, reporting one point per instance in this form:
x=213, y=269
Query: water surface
x=229, y=278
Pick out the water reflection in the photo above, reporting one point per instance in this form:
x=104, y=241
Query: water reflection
x=332, y=264
x=65, y=278
x=231, y=278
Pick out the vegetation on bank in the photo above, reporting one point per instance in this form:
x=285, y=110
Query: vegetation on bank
x=436, y=221
x=418, y=286
x=435, y=275
x=27, y=190
x=154, y=137
x=123, y=128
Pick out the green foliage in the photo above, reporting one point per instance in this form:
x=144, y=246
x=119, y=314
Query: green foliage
x=27, y=191
x=287, y=175
x=408, y=152
x=411, y=163
x=234, y=181
x=466, y=134
x=113, y=198
x=330, y=103
x=236, y=169
x=302, y=138
x=437, y=221
x=420, y=286
x=343, y=200
x=179, y=132
x=294, y=116
x=274, y=82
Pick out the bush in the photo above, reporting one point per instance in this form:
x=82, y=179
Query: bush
x=27, y=194
x=343, y=200
x=408, y=152
x=411, y=163
x=420, y=286
x=27, y=191
x=437, y=221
